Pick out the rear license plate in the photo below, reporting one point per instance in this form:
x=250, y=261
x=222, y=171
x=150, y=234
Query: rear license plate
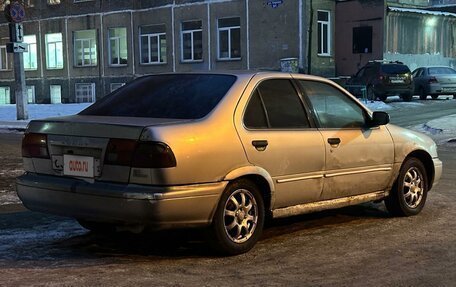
x=451, y=90
x=397, y=81
x=75, y=165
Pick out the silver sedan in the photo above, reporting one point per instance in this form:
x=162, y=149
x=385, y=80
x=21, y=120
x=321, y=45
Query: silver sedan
x=222, y=151
x=434, y=81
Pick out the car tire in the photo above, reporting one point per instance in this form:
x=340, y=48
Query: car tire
x=407, y=97
x=239, y=218
x=409, y=192
x=422, y=93
x=434, y=97
x=97, y=227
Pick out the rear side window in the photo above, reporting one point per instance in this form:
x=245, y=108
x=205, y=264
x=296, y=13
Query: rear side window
x=176, y=96
x=441, y=71
x=395, y=69
x=275, y=104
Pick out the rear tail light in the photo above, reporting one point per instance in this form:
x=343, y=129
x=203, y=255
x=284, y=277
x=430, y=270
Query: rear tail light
x=35, y=145
x=120, y=151
x=432, y=80
x=139, y=154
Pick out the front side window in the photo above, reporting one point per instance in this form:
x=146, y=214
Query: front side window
x=85, y=48
x=54, y=51
x=3, y=58
x=324, y=33
x=30, y=57
x=229, y=38
x=85, y=93
x=118, y=51
x=5, y=96
x=192, y=41
x=275, y=104
x=333, y=109
x=152, y=40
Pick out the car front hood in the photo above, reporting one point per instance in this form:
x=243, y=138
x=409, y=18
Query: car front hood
x=97, y=126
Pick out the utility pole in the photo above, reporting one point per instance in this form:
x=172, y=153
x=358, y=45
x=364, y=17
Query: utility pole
x=15, y=14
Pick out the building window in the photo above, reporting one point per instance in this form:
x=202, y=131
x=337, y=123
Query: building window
x=30, y=57
x=5, y=96
x=324, y=33
x=54, y=51
x=152, y=41
x=53, y=2
x=30, y=94
x=118, y=51
x=79, y=1
x=85, y=93
x=362, y=40
x=115, y=86
x=85, y=48
x=3, y=58
x=229, y=38
x=192, y=41
x=56, y=94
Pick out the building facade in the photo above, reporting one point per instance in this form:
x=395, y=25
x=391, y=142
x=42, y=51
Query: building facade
x=80, y=50
x=395, y=30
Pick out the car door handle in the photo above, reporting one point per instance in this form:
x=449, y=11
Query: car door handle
x=334, y=141
x=260, y=145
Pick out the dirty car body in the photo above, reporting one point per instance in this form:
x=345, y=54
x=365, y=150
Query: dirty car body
x=222, y=150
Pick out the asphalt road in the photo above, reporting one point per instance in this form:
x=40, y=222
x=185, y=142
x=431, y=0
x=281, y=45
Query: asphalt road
x=355, y=246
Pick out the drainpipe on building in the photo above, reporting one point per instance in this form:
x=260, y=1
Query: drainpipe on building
x=309, y=47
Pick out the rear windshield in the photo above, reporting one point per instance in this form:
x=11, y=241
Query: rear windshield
x=176, y=96
x=395, y=69
x=441, y=70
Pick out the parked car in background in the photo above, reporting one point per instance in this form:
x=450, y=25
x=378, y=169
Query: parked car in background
x=434, y=81
x=381, y=79
x=222, y=151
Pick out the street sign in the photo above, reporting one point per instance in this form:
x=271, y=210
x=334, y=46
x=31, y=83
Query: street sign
x=16, y=47
x=15, y=12
x=16, y=31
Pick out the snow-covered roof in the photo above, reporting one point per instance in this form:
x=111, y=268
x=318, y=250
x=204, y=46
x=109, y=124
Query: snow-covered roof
x=420, y=11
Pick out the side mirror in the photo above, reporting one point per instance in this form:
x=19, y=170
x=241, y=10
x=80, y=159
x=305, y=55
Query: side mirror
x=379, y=119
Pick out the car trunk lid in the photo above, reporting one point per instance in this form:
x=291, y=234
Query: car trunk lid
x=77, y=145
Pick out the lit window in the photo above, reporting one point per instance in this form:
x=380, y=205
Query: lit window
x=30, y=57
x=118, y=46
x=54, y=51
x=229, y=38
x=56, y=94
x=5, y=96
x=85, y=93
x=3, y=58
x=192, y=41
x=152, y=41
x=324, y=33
x=115, y=86
x=53, y=2
x=30, y=94
x=85, y=48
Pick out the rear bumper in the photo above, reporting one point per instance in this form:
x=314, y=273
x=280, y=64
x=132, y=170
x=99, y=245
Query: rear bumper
x=155, y=206
x=441, y=89
x=393, y=90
